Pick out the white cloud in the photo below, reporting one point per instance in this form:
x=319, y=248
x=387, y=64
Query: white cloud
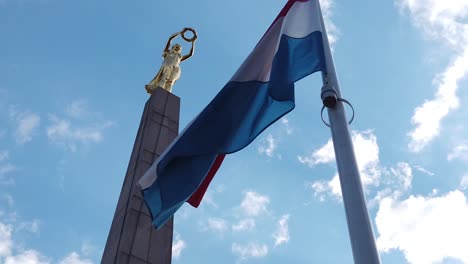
x=29, y=226
x=250, y=250
x=217, y=225
x=281, y=235
x=320, y=188
x=27, y=124
x=14, y=252
x=423, y=170
x=269, y=147
x=177, y=246
x=403, y=176
x=23, y=257
x=464, y=182
x=6, y=242
x=323, y=188
x=5, y=168
x=4, y=155
x=254, y=204
x=335, y=186
x=62, y=132
x=444, y=21
x=87, y=248
x=459, y=152
x=325, y=154
x=78, y=109
x=28, y=257
x=219, y=188
x=209, y=200
x=74, y=258
x=332, y=30
x=244, y=225
x=424, y=229
x=366, y=150
x=427, y=117
x=287, y=127
x=367, y=156
x=9, y=199
x=80, y=126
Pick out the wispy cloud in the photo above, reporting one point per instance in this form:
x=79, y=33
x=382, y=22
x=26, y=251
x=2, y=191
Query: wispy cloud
x=459, y=152
x=177, y=246
x=5, y=168
x=402, y=175
x=78, y=109
x=424, y=229
x=4, y=155
x=427, y=117
x=244, y=225
x=446, y=22
x=254, y=204
x=87, y=248
x=14, y=252
x=62, y=132
x=26, y=123
x=9, y=200
x=209, y=198
x=216, y=225
x=81, y=127
x=250, y=250
x=423, y=170
x=7, y=249
x=287, y=126
x=6, y=242
x=29, y=226
x=281, y=235
x=332, y=31
x=269, y=146
x=75, y=258
x=464, y=182
x=28, y=256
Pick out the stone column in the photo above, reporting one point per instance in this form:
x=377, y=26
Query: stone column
x=132, y=238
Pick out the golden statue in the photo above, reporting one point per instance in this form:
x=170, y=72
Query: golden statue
x=170, y=68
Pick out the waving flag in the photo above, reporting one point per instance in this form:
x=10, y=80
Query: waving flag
x=259, y=93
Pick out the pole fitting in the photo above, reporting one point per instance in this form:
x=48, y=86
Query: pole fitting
x=329, y=97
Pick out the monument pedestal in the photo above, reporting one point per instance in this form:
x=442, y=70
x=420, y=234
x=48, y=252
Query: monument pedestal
x=132, y=238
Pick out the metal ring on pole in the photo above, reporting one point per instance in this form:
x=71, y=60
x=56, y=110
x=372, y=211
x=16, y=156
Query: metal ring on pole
x=341, y=100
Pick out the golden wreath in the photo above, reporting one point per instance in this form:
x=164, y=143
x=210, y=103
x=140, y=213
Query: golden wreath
x=193, y=38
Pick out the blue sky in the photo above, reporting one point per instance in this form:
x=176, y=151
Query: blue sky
x=72, y=76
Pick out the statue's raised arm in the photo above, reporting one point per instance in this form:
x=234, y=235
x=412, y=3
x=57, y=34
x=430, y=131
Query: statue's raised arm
x=193, y=39
x=169, y=41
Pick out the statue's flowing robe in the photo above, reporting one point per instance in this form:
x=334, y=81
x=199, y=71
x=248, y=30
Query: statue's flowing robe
x=169, y=71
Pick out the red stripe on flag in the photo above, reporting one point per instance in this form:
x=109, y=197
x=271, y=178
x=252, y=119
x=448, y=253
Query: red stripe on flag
x=197, y=196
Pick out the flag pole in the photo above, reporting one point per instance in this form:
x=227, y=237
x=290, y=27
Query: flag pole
x=359, y=224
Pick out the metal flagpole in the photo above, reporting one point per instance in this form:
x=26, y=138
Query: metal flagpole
x=357, y=216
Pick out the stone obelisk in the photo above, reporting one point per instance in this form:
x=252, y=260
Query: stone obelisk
x=132, y=238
